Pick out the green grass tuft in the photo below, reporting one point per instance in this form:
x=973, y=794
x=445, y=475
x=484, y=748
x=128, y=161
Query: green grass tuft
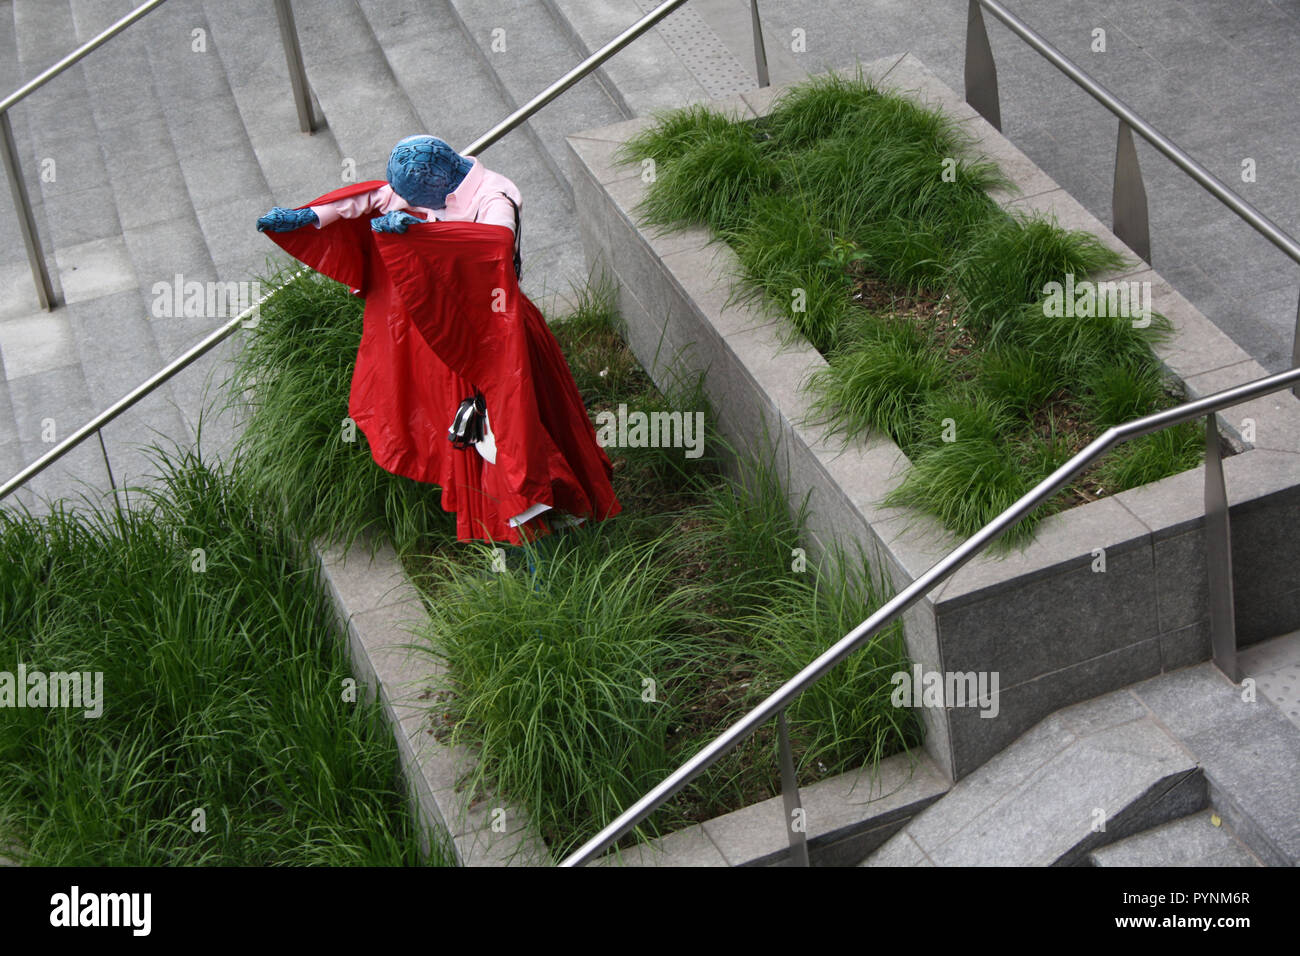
x=876, y=382
x=223, y=691
x=292, y=380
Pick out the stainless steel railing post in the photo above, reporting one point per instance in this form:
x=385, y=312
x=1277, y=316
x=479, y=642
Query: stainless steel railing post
x=760, y=51
x=1128, y=203
x=796, y=821
x=1218, y=558
x=981, y=71
x=26, y=221
x=307, y=121
x=1295, y=346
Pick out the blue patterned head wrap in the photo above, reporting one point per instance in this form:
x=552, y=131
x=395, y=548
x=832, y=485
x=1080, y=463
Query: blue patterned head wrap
x=424, y=169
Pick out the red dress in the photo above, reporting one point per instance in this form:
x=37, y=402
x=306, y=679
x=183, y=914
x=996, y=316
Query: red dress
x=444, y=314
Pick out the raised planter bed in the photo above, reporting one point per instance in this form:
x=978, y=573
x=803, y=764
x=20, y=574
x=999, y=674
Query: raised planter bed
x=1055, y=630
x=849, y=815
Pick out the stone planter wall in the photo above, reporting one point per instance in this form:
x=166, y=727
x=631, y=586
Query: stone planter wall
x=1056, y=631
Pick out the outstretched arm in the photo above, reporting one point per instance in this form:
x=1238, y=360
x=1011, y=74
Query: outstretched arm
x=280, y=219
x=353, y=207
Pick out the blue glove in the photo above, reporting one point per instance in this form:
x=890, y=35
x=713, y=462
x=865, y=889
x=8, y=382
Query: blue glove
x=280, y=219
x=395, y=221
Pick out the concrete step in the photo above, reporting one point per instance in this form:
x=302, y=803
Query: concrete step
x=456, y=96
x=1245, y=739
x=296, y=166
x=1136, y=758
x=682, y=60
x=62, y=159
x=526, y=50
x=365, y=106
x=1194, y=840
x=1087, y=776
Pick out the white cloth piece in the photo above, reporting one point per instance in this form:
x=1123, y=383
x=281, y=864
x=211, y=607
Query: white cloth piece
x=528, y=515
x=487, y=445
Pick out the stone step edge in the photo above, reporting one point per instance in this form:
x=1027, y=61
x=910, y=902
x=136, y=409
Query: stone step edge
x=845, y=821
x=1169, y=798
x=377, y=607
x=513, y=104
x=1097, y=856
x=600, y=74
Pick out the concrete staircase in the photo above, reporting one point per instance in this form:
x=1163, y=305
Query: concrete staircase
x=169, y=141
x=1185, y=769
x=1201, y=839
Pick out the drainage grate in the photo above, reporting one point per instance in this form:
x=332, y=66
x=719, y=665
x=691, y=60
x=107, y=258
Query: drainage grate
x=707, y=57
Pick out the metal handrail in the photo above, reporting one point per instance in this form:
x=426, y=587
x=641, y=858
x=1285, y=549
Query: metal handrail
x=1215, y=186
x=9, y=150
x=307, y=122
x=776, y=703
x=136, y=394
x=487, y=139
x=34, y=84
x=1130, y=211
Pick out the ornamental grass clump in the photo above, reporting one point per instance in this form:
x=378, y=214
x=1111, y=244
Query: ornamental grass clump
x=781, y=245
x=877, y=380
x=877, y=240
x=1011, y=262
x=227, y=732
x=713, y=181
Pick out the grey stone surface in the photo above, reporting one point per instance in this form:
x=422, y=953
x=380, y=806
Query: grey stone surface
x=1019, y=706
x=902, y=850
x=1056, y=805
x=1102, y=713
x=1249, y=750
x=1185, y=646
x=688, y=847
x=524, y=50
x=1019, y=629
x=1191, y=841
x=648, y=75
x=1003, y=775
x=358, y=584
x=1280, y=652
x=95, y=268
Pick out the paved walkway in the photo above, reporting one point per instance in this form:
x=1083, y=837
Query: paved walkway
x=168, y=142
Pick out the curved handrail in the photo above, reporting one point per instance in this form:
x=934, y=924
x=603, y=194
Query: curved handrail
x=941, y=571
